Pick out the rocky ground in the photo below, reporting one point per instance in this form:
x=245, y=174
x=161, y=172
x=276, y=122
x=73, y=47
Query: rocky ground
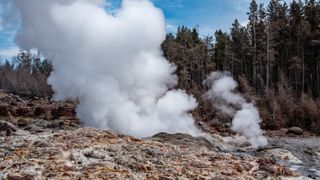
x=301, y=154
x=43, y=140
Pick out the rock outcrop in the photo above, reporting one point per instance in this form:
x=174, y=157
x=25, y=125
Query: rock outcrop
x=16, y=107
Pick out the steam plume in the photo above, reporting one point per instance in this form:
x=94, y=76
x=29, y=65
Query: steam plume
x=112, y=63
x=246, y=120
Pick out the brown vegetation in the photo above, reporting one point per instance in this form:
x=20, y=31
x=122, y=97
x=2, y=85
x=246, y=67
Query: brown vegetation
x=26, y=75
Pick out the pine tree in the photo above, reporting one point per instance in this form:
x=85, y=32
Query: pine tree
x=240, y=49
x=222, y=51
x=296, y=45
x=253, y=21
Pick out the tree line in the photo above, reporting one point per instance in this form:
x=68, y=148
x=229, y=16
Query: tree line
x=26, y=74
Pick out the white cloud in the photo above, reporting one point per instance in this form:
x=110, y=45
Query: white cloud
x=240, y=5
x=175, y=3
x=9, y=52
x=171, y=28
x=170, y=4
x=243, y=5
x=206, y=31
x=244, y=23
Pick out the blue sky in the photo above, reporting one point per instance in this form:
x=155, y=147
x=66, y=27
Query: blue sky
x=208, y=15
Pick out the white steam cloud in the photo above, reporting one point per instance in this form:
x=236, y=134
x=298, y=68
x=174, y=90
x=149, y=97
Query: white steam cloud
x=246, y=120
x=112, y=63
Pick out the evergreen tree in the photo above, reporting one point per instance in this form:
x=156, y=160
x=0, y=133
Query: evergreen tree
x=253, y=22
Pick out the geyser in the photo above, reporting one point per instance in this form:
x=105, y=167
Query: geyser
x=246, y=120
x=111, y=63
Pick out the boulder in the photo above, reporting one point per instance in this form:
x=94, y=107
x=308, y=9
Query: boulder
x=295, y=131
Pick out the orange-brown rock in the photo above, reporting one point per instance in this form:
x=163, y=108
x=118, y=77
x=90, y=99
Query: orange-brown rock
x=42, y=110
x=68, y=111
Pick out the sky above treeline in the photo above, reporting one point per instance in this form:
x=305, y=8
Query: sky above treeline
x=207, y=15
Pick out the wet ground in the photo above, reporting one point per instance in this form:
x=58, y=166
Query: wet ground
x=305, y=149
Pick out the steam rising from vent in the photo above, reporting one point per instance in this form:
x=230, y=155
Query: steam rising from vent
x=246, y=120
x=111, y=63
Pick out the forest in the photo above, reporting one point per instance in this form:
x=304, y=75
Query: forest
x=275, y=58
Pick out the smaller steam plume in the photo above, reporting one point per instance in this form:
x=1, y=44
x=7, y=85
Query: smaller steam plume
x=245, y=115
